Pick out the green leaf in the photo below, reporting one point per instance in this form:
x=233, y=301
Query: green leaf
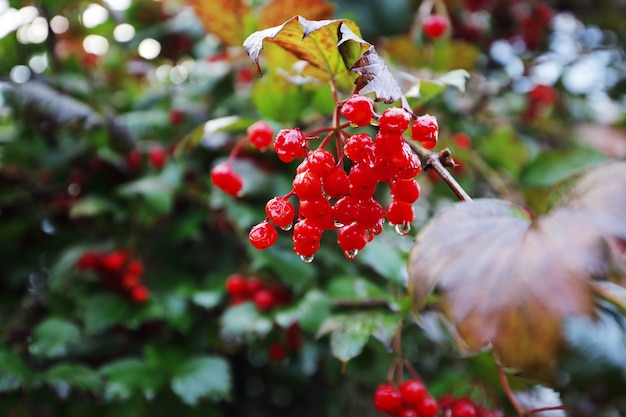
x=92, y=206
x=551, y=167
x=203, y=376
x=504, y=148
x=52, y=337
x=244, y=320
x=158, y=191
x=309, y=312
x=354, y=288
x=280, y=260
x=385, y=256
x=424, y=90
x=64, y=268
x=206, y=133
x=13, y=372
x=74, y=375
x=126, y=376
x=104, y=310
x=350, y=333
x=207, y=299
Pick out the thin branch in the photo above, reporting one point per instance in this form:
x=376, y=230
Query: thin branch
x=544, y=409
x=436, y=161
x=371, y=303
x=509, y=392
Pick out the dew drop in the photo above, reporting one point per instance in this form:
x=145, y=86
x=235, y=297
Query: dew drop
x=338, y=223
x=287, y=228
x=73, y=190
x=403, y=229
x=307, y=259
x=353, y=125
x=351, y=254
x=47, y=227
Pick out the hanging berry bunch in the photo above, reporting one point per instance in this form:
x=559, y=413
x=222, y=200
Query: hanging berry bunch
x=118, y=271
x=336, y=190
x=265, y=296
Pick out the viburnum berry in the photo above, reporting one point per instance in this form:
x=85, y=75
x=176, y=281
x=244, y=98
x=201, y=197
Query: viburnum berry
x=405, y=190
x=263, y=235
x=336, y=183
x=463, y=408
x=88, y=260
x=408, y=412
x=260, y=134
x=394, y=120
x=320, y=162
x=254, y=285
x=306, y=238
x=400, y=212
x=290, y=144
x=133, y=160
x=276, y=352
x=428, y=407
x=114, y=261
x=369, y=213
x=140, y=294
x=307, y=186
x=351, y=238
x=360, y=148
x=224, y=177
x=358, y=110
x=413, y=392
x=236, y=285
x=157, y=157
x=388, y=400
x=435, y=26
x=264, y=300
x=176, y=116
x=425, y=130
x=462, y=140
x=280, y=211
x=316, y=210
x=345, y=210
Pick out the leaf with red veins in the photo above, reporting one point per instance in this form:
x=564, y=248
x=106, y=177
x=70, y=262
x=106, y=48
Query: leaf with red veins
x=507, y=281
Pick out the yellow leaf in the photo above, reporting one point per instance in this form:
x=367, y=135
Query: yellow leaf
x=278, y=11
x=229, y=20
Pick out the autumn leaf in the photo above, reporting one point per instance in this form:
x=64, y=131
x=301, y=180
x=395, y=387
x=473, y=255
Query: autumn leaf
x=335, y=47
x=279, y=11
x=229, y=20
x=507, y=281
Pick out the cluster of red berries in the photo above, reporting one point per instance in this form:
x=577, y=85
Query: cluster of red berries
x=157, y=158
x=118, y=271
x=265, y=296
x=539, y=98
x=412, y=399
x=334, y=197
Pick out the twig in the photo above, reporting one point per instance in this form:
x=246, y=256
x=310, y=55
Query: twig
x=509, y=392
x=436, y=161
x=372, y=303
x=544, y=409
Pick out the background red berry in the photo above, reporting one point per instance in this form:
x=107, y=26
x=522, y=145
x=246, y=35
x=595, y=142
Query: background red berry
x=435, y=26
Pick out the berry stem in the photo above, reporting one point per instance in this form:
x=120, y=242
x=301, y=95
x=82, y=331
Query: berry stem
x=436, y=161
x=326, y=139
x=326, y=129
x=238, y=146
x=509, y=392
x=412, y=371
x=544, y=409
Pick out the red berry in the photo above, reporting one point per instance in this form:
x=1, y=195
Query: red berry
x=263, y=235
x=413, y=392
x=358, y=110
x=176, y=117
x=306, y=238
x=435, y=26
x=345, y=210
x=140, y=294
x=316, y=209
x=352, y=237
x=388, y=400
x=294, y=339
x=427, y=407
x=224, y=177
x=394, y=120
x=135, y=267
x=360, y=148
x=88, y=260
x=463, y=408
x=408, y=412
x=362, y=175
x=400, y=212
x=307, y=186
x=290, y=144
x=280, y=211
x=157, y=157
x=260, y=134
x=462, y=140
x=254, y=285
x=114, y=261
x=369, y=213
x=133, y=160
x=320, y=162
x=336, y=183
x=264, y=300
x=405, y=190
x=236, y=285
x=276, y=352
x=425, y=130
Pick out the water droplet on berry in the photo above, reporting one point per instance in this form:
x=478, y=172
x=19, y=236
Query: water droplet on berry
x=287, y=228
x=338, y=223
x=307, y=259
x=403, y=229
x=351, y=254
x=353, y=125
